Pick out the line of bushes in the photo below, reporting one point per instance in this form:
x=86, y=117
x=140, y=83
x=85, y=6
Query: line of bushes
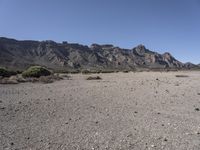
x=6, y=73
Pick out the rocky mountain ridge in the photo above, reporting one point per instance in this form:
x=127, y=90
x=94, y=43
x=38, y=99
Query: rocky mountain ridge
x=19, y=55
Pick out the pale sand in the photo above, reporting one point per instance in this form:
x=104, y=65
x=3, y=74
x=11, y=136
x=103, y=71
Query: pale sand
x=146, y=110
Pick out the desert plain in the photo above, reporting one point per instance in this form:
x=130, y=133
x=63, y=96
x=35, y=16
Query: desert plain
x=123, y=111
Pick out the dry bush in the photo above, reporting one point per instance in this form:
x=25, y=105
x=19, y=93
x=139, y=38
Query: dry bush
x=126, y=71
x=182, y=76
x=19, y=79
x=94, y=78
x=8, y=81
x=49, y=79
x=63, y=75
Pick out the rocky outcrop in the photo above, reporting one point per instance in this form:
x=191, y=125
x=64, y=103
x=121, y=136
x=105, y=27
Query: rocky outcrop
x=19, y=55
x=190, y=65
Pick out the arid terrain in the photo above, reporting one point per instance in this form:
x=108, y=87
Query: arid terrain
x=123, y=111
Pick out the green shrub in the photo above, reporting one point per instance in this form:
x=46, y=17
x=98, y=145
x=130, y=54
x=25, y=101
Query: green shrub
x=36, y=71
x=6, y=73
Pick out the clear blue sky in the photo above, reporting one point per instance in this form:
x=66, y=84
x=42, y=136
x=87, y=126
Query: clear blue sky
x=161, y=25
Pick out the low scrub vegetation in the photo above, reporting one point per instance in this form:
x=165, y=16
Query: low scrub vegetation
x=126, y=71
x=94, y=78
x=36, y=72
x=108, y=71
x=45, y=79
x=19, y=79
x=182, y=76
x=32, y=74
x=6, y=73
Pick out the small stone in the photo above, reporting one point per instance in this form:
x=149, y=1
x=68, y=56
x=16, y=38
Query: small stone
x=153, y=146
x=165, y=140
x=2, y=108
x=197, y=109
x=198, y=133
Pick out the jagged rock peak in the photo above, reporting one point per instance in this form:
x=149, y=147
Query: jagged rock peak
x=140, y=49
x=168, y=56
x=95, y=46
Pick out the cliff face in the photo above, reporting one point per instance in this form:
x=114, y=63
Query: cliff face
x=63, y=56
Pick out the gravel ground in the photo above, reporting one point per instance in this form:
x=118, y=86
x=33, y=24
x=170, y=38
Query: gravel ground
x=123, y=111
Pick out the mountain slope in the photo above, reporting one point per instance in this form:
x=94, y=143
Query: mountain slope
x=16, y=54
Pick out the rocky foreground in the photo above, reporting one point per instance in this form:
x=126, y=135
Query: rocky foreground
x=121, y=111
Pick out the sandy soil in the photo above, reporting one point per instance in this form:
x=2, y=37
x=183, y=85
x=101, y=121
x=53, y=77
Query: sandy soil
x=124, y=111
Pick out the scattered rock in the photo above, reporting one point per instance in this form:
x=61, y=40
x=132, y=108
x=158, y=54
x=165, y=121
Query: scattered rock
x=153, y=146
x=198, y=133
x=177, y=84
x=2, y=108
x=197, y=109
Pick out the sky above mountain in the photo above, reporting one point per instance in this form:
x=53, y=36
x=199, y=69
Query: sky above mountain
x=161, y=25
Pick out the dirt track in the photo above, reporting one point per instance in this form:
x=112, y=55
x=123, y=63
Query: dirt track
x=146, y=110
